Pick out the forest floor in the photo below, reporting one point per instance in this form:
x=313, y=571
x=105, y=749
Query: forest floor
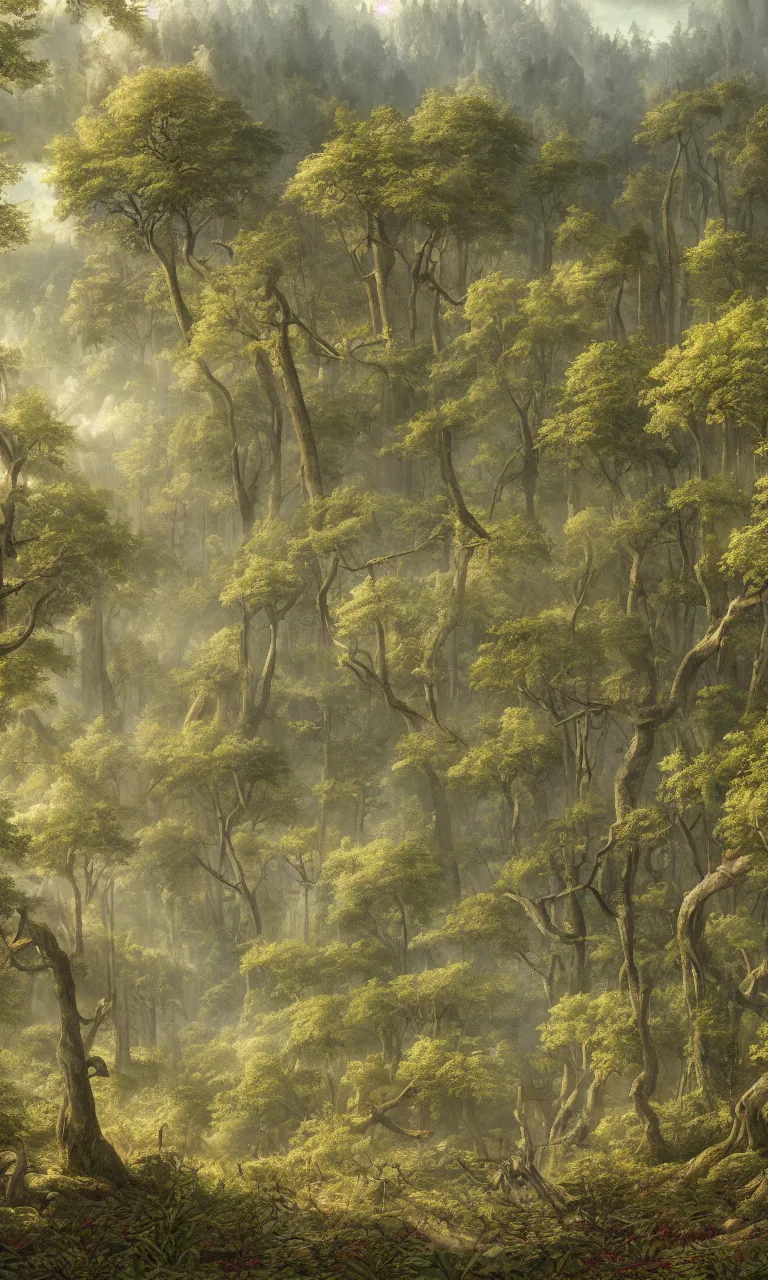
x=172, y=1222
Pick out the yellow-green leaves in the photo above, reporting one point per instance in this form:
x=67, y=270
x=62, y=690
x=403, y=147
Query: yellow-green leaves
x=238, y=296
x=358, y=170
x=679, y=116
x=163, y=146
x=108, y=301
x=602, y=1023
x=601, y=413
x=380, y=880
x=30, y=430
x=451, y=165
x=268, y=572
x=445, y=1075
x=469, y=148
x=517, y=757
x=747, y=553
x=717, y=377
x=724, y=265
x=561, y=167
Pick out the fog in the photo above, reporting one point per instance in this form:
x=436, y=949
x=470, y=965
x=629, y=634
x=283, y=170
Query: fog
x=383, y=639
x=658, y=18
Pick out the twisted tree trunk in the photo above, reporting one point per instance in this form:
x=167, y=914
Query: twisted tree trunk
x=84, y=1148
x=749, y=1128
x=13, y=1166
x=690, y=929
x=628, y=788
x=670, y=241
x=591, y=1113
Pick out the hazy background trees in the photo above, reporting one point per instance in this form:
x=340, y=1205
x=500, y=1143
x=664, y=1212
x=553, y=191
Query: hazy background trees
x=383, y=562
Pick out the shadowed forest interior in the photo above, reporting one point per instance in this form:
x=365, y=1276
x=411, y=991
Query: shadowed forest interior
x=383, y=639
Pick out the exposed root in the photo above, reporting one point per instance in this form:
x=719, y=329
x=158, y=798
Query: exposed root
x=749, y=1129
x=13, y=1166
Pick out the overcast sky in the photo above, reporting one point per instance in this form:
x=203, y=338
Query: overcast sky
x=657, y=16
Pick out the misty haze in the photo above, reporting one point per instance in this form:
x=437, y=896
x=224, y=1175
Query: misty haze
x=383, y=639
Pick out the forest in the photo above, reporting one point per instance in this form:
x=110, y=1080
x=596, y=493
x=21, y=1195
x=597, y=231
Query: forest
x=383, y=641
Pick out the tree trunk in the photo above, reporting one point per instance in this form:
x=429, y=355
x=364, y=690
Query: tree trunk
x=325, y=784
x=690, y=929
x=102, y=1011
x=447, y=623
x=297, y=407
x=748, y=1129
x=272, y=392
x=383, y=262
x=96, y=692
x=77, y=902
x=473, y=1124
x=627, y=791
x=16, y=1193
x=671, y=248
x=121, y=1017
x=444, y=829
x=462, y=266
x=547, y=249
x=450, y=480
x=570, y=1088
x=530, y=474
x=85, y=1150
x=219, y=394
x=591, y=1113
x=760, y=665
x=118, y=995
x=437, y=330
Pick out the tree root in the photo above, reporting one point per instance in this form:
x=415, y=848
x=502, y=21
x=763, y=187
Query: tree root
x=520, y=1170
x=13, y=1165
x=748, y=1129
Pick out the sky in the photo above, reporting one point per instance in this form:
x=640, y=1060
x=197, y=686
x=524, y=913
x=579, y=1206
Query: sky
x=659, y=17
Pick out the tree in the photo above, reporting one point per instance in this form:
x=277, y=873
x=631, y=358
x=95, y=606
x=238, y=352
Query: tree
x=164, y=159
x=84, y=1148
x=561, y=168
x=246, y=298
x=262, y=582
x=58, y=542
x=79, y=838
x=448, y=170
x=234, y=783
x=383, y=890
x=679, y=120
x=403, y=821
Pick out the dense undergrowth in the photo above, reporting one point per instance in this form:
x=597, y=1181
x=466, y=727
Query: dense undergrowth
x=178, y=1220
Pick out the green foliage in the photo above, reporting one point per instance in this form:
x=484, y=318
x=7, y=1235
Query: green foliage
x=265, y=574
x=715, y=377
x=451, y=164
x=601, y=415
x=679, y=116
x=163, y=146
x=383, y=644
x=723, y=265
x=383, y=887
x=599, y=1023
x=446, y=1076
